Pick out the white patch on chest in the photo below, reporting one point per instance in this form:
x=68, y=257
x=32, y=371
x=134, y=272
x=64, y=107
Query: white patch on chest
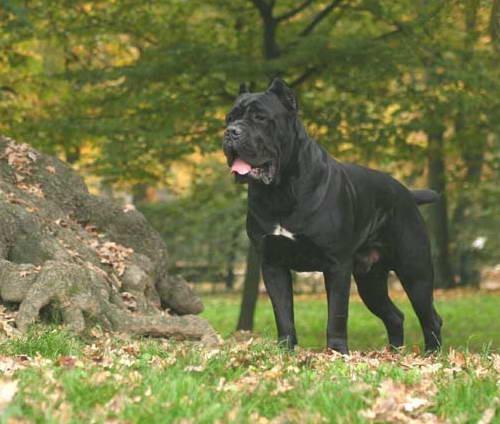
x=280, y=231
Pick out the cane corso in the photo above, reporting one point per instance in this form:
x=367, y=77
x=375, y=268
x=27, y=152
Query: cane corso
x=309, y=212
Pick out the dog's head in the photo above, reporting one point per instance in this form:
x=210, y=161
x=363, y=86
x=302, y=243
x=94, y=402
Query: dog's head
x=260, y=131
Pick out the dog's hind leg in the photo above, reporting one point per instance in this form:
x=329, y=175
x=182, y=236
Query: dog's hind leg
x=417, y=282
x=372, y=288
x=413, y=266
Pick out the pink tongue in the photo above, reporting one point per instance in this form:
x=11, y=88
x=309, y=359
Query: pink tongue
x=241, y=167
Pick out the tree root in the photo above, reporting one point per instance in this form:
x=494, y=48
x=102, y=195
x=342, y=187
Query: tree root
x=86, y=257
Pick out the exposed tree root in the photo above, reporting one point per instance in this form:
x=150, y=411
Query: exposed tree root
x=89, y=258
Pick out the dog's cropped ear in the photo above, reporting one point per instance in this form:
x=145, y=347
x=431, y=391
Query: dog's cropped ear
x=243, y=89
x=285, y=94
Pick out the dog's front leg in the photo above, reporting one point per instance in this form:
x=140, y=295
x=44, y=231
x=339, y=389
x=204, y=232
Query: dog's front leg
x=338, y=284
x=278, y=282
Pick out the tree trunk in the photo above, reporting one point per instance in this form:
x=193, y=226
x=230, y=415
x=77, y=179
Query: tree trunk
x=495, y=25
x=473, y=156
x=250, y=290
x=72, y=154
x=438, y=213
x=473, y=150
x=270, y=50
x=231, y=259
x=139, y=194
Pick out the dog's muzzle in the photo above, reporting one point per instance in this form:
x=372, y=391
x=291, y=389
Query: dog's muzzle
x=242, y=160
x=233, y=132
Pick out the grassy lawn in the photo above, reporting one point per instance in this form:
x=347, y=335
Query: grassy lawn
x=471, y=320
x=56, y=377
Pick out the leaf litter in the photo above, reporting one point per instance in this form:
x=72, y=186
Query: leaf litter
x=253, y=367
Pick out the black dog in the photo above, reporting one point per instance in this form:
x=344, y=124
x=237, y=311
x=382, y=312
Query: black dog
x=308, y=212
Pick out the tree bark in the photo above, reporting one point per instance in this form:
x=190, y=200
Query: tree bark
x=494, y=26
x=438, y=213
x=250, y=290
x=139, y=193
x=231, y=259
x=473, y=150
x=270, y=50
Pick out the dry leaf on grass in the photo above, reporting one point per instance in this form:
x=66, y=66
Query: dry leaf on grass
x=9, y=365
x=495, y=358
x=282, y=386
x=457, y=359
x=8, y=389
x=397, y=403
x=246, y=384
x=194, y=368
x=489, y=414
x=7, y=320
x=66, y=361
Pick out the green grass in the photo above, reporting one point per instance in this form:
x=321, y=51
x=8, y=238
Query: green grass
x=471, y=321
x=117, y=379
x=48, y=342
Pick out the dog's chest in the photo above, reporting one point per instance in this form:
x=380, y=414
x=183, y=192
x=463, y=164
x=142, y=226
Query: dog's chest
x=295, y=251
x=282, y=231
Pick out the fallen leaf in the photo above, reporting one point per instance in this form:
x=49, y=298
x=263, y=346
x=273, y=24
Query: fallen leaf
x=8, y=389
x=456, y=358
x=66, y=361
x=194, y=368
x=32, y=155
x=396, y=403
x=8, y=366
x=487, y=416
x=282, y=386
x=413, y=403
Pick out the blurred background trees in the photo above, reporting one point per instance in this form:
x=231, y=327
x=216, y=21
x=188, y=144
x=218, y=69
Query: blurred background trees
x=134, y=95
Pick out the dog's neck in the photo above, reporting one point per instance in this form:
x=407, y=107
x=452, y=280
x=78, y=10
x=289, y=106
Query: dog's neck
x=304, y=152
x=297, y=183
x=300, y=142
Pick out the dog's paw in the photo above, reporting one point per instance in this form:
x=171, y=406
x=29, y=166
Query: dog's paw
x=338, y=345
x=287, y=342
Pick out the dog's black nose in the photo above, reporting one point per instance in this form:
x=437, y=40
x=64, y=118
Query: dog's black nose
x=233, y=131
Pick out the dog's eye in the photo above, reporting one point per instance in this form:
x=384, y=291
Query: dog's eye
x=229, y=119
x=259, y=117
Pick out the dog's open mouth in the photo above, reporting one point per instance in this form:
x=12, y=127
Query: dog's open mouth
x=243, y=170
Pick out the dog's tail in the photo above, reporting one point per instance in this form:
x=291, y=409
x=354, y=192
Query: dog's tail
x=425, y=196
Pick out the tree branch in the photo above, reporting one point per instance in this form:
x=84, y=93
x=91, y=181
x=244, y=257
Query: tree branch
x=494, y=25
x=319, y=17
x=304, y=76
x=399, y=29
x=291, y=13
x=9, y=90
x=319, y=67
